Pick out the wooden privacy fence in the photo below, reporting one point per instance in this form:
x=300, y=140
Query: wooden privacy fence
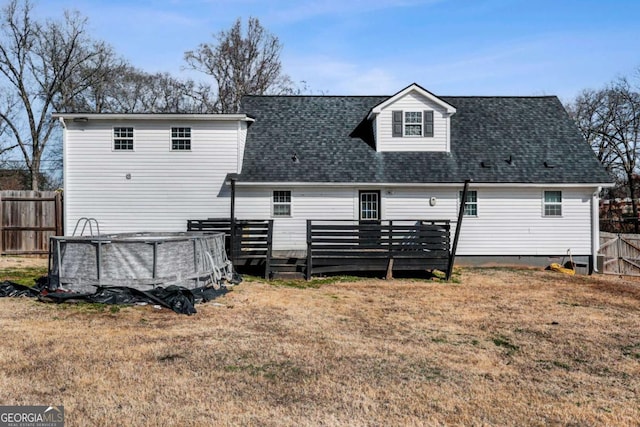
x=251, y=241
x=621, y=253
x=337, y=245
x=27, y=220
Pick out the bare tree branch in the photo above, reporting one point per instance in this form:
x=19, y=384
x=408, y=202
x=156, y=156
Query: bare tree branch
x=38, y=64
x=609, y=120
x=241, y=63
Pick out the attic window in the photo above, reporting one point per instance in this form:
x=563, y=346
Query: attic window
x=412, y=123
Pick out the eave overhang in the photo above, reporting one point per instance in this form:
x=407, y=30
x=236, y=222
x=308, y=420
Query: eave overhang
x=414, y=87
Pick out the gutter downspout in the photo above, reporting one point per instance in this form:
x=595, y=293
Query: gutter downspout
x=595, y=228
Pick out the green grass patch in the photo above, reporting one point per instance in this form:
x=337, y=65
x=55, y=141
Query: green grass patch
x=90, y=307
x=314, y=283
x=25, y=275
x=632, y=351
x=561, y=365
x=504, y=342
x=571, y=304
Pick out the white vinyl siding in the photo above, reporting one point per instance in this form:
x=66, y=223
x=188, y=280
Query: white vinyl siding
x=310, y=203
x=164, y=190
x=412, y=102
x=510, y=221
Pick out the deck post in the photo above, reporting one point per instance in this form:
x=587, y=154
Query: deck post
x=463, y=203
x=232, y=225
x=267, y=267
x=309, y=257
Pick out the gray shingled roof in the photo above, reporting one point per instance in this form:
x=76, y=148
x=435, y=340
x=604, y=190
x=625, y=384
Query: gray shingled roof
x=331, y=140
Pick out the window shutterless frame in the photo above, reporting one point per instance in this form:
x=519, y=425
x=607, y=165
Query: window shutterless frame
x=552, y=203
x=180, y=138
x=281, y=203
x=471, y=206
x=123, y=138
x=369, y=205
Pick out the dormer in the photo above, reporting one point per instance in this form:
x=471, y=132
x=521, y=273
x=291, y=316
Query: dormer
x=413, y=119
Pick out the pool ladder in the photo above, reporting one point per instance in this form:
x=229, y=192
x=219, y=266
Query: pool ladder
x=87, y=221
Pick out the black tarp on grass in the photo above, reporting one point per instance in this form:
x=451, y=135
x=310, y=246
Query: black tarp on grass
x=177, y=298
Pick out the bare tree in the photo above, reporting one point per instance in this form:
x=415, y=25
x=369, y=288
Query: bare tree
x=241, y=63
x=609, y=119
x=38, y=63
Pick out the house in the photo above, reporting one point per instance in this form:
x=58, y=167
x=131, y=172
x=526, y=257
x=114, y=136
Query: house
x=534, y=182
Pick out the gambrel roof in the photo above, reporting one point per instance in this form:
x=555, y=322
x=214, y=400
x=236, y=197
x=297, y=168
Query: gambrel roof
x=330, y=139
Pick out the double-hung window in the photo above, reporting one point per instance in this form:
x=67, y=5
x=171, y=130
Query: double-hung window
x=412, y=123
x=552, y=203
x=471, y=205
x=281, y=203
x=180, y=138
x=123, y=138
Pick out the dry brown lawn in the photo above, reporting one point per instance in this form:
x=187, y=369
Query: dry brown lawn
x=500, y=347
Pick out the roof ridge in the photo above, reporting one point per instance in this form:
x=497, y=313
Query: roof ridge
x=315, y=96
x=388, y=96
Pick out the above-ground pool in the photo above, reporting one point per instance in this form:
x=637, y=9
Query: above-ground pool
x=139, y=260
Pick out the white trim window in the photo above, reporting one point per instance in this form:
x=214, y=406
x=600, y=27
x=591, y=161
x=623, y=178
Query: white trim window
x=369, y=205
x=123, y=139
x=413, y=123
x=281, y=203
x=552, y=202
x=180, y=139
x=471, y=206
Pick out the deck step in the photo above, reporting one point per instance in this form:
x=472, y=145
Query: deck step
x=287, y=268
x=287, y=275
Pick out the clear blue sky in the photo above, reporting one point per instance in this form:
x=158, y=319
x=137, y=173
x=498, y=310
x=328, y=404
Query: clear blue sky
x=351, y=47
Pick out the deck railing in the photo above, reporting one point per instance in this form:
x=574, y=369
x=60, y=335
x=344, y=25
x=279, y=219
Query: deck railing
x=345, y=245
x=252, y=239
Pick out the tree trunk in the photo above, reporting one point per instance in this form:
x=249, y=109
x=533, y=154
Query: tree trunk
x=35, y=173
x=634, y=205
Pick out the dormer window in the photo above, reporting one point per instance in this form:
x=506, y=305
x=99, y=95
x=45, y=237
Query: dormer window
x=413, y=124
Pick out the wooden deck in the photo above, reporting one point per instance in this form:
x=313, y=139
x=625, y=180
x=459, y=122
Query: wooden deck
x=334, y=246
x=249, y=247
x=338, y=246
